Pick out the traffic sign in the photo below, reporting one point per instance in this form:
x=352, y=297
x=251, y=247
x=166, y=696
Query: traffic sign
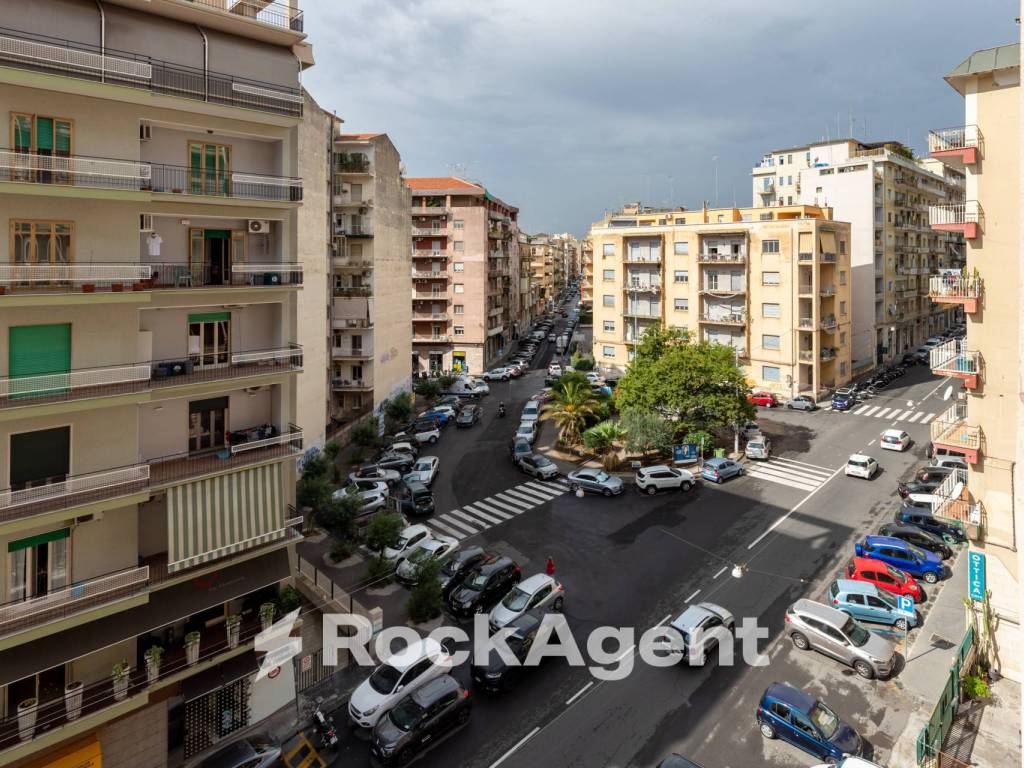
x=976, y=575
x=907, y=604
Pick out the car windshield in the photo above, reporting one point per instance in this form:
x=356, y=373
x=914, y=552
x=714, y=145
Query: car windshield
x=602, y=477
x=403, y=542
x=889, y=602
x=541, y=461
x=826, y=720
x=476, y=581
x=857, y=634
x=516, y=600
x=406, y=714
x=384, y=678
x=899, y=575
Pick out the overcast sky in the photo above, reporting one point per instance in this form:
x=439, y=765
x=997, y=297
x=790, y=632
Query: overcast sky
x=566, y=108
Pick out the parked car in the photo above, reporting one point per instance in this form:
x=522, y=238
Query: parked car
x=538, y=591
x=397, y=676
x=843, y=399
x=662, y=477
x=452, y=401
x=861, y=465
x=497, y=374
x=402, y=443
x=408, y=539
x=595, y=481
x=554, y=369
x=468, y=416
x=413, y=498
x=371, y=474
x=884, y=576
x=527, y=430
x=813, y=626
x=749, y=430
x=802, y=403
x=538, y=466
x=460, y=563
x=531, y=411
x=423, y=431
x=866, y=602
x=419, y=719
x=758, y=447
x=936, y=453
x=764, y=399
x=256, y=750
x=718, y=470
x=369, y=497
x=928, y=474
x=701, y=628
x=400, y=462
x=918, y=486
x=483, y=587
x=807, y=723
x=439, y=548
x=424, y=470
x=899, y=554
x=519, y=447
x=918, y=537
x=926, y=521
x=894, y=440
x=443, y=414
x=497, y=674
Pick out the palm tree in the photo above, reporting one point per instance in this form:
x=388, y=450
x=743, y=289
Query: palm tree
x=602, y=438
x=571, y=407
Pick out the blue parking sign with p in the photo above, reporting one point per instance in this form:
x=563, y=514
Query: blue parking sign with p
x=907, y=604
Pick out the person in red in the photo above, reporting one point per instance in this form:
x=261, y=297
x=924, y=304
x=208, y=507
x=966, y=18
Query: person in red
x=550, y=568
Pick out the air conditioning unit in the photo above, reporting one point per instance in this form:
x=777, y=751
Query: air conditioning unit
x=145, y=222
x=145, y=131
x=259, y=226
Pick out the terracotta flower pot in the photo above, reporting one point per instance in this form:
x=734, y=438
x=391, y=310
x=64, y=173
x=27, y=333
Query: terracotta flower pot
x=88, y=288
x=117, y=287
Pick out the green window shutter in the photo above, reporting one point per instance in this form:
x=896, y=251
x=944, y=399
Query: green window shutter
x=217, y=234
x=63, y=137
x=44, y=133
x=39, y=349
x=209, y=317
x=42, y=538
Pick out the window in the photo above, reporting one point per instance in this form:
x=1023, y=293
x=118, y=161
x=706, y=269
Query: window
x=789, y=199
x=608, y=275
x=608, y=351
x=721, y=218
x=458, y=246
x=842, y=369
x=458, y=224
x=842, y=246
x=770, y=341
x=770, y=310
x=459, y=266
x=608, y=249
x=681, y=276
x=769, y=246
x=789, y=159
x=209, y=168
x=842, y=307
x=789, y=179
x=770, y=373
x=682, y=305
x=769, y=278
x=842, y=338
x=766, y=217
x=782, y=159
x=460, y=288
x=460, y=309
x=608, y=300
x=682, y=248
x=807, y=158
x=460, y=330
x=842, y=277
x=42, y=242
x=609, y=326
x=681, y=221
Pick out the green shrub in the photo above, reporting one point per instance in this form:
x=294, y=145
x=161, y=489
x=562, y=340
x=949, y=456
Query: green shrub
x=445, y=382
x=399, y=408
x=380, y=572
x=428, y=389
x=315, y=466
x=288, y=600
x=364, y=434
x=426, y=600
x=582, y=362
x=383, y=531
x=975, y=687
x=313, y=491
x=341, y=550
x=695, y=436
x=331, y=451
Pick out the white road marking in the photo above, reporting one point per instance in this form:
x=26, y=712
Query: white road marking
x=781, y=480
x=545, y=490
x=489, y=518
x=916, y=416
x=827, y=408
x=783, y=519
x=529, y=493
x=516, y=746
x=861, y=410
x=942, y=383
x=667, y=617
x=512, y=501
x=903, y=416
x=721, y=570
x=579, y=693
x=871, y=443
x=504, y=505
x=625, y=653
x=449, y=520
x=477, y=509
x=873, y=409
x=928, y=418
x=446, y=529
x=881, y=413
x=692, y=596
x=802, y=465
x=521, y=495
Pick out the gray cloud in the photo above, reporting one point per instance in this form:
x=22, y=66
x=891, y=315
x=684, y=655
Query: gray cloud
x=568, y=107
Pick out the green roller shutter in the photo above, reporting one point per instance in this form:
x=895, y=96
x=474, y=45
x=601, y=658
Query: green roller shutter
x=217, y=234
x=44, y=133
x=42, y=538
x=209, y=317
x=41, y=355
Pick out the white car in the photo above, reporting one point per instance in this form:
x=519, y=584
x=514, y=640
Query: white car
x=406, y=445
x=551, y=338
x=527, y=431
x=594, y=377
x=407, y=540
x=477, y=385
x=894, y=440
x=749, y=430
x=370, y=475
x=370, y=498
x=424, y=470
x=861, y=465
x=662, y=477
x=538, y=591
x=531, y=411
x=701, y=628
x=420, y=433
x=554, y=369
x=399, y=675
x=439, y=548
x=758, y=447
x=497, y=374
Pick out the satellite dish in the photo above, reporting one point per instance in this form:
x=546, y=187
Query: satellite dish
x=948, y=393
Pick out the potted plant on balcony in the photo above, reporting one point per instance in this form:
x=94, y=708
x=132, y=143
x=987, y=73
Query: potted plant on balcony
x=267, y=613
x=117, y=287
x=27, y=718
x=73, y=699
x=120, y=674
x=233, y=626
x=153, y=655
x=192, y=648
x=88, y=287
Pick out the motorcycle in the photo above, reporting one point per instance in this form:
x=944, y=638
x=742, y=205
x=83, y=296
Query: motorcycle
x=501, y=410
x=324, y=725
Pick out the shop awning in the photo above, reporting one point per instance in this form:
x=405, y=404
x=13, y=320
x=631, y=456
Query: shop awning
x=81, y=754
x=210, y=680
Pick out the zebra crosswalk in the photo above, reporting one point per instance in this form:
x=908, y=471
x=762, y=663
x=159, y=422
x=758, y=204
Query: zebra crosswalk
x=900, y=413
x=470, y=519
x=795, y=474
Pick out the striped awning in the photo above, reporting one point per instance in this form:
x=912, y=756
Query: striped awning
x=221, y=515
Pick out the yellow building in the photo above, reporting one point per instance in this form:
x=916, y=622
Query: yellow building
x=985, y=424
x=774, y=284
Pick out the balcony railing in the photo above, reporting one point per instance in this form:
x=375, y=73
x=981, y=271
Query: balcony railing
x=963, y=217
x=828, y=353
x=19, y=390
x=952, y=358
x=827, y=290
x=73, y=491
x=644, y=286
x=355, y=162
x=944, y=141
x=341, y=384
x=725, y=258
x=715, y=287
x=434, y=338
x=429, y=316
x=806, y=355
x=275, y=14
x=429, y=232
x=717, y=318
x=178, y=179
x=954, y=500
x=429, y=210
x=358, y=353
x=828, y=257
x=51, y=55
x=637, y=259
x=827, y=323
x=641, y=313
x=429, y=274
x=353, y=230
x=352, y=322
x=346, y=291
x=429, y=296
x=766, y=187
x=955, y=289
x=951, y=430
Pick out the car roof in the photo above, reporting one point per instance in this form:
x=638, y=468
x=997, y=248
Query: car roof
x=412, y=530
x=691, y=617
x=717, y=461
x=868, y=564
x=436, y=542
x=859, y=457
x=655, y=468
x=231, y=756
x=414, y=652
x=492, y=564
x=535, y=582
x=885, y=541
x=527, y=621
x=430, y=692
x=860, y=587
x=897, y=432
x=787, y=694
x=820, y=611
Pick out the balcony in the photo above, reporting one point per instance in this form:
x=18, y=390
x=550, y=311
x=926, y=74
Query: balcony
x=355, y=162
x=955, y=289
x=435, y=338
x=828, y=353
x=827, y=323
x=952, y=358
x=345, y=201
x=638, y=259
x=806, y=355
x=54, y=56
x=497, y=254
x=274, y=14
x=766, y=187
x=429, y=274
x=954, y=502
x=827, y=291
x=347, y=263
x=723, y=287
x=957, y=147
x=429, y=316
x=643, y=286
x=339, y=384
x=805, y=289
x=353, y=230
x=641, y=313
x=430, y=210
x=348, y=291
x=827, y=257
x=724, y=318
x=965, y=218
x=73, y=491
x=429, y=232
x=721, y=258
x=950, y=430
x=420, y=253
x=351, y=322
x=349, y=352
x=429, y=295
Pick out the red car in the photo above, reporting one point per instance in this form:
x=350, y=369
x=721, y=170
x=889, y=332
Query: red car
x=884, y=577
x=766, y=399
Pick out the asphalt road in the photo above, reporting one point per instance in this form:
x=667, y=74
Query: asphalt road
x=634, y=560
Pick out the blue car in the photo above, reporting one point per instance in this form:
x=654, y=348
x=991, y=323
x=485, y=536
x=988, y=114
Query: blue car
x=899, y=554
x=792, y=715
x=441, y=417
x=843, y=399
x=719, y=470
x=867, y=602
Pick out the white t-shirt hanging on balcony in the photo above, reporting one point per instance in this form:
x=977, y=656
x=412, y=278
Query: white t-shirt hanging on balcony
x=153, y=242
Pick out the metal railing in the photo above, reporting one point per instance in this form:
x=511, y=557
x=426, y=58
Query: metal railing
x=709, y=287
x=430, y=210
x=724, y=319
x=429, y=316
x=947, y=139
x=806, y=355
x=103, y=484
x=339, y=383
x=641, y=259
x=429, y=232
x=953, y=357
x=183, y=180
x=25, y=387
x=954, y=287
x=828, y=322
x=430, y=274
x=429, y=339
x=728, y=258
x=51, y=276
x=951, y=429
x=350, y=351
x=806, y=288
x=51, y=55
x=351, y=322
x=827, y=290
x=968, y=212
x=345, y=291
x=293, y=438
x=274, y=14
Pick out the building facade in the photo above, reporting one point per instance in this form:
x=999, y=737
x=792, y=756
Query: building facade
x=884, y=192
x=773, y=284
x=148, y=364
x=586, y=273
x=464, y=240
x=371, y=268
x=985, y=423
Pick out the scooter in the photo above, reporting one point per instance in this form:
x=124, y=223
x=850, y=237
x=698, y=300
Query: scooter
x=501, y=410
x=324, y=725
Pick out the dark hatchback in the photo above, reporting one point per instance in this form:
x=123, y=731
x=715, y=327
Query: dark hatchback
x=414, y=498
x=398, y=461
x=805, y=722
x=918, y=537
x=497, y=674
x=483, y=587
x=926, y=521
x=461, y=563
x=843, y=400
x=468, y=416
x=419, y=719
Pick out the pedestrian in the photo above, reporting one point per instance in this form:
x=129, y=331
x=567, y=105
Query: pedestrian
x=550, y=568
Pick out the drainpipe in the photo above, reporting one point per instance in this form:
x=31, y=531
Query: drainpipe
x=103, y=41
x=206, y=64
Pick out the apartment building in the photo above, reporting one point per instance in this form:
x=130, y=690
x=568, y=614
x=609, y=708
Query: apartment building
x=586, y=272
x=774, y=284
x=985, y=424
x=527, y=288
x=884, y=192
x=371, y=276
x=148, y=289
x=464, y=240
x=546, y=268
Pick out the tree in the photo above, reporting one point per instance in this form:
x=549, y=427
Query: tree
x=313, y=491
x=694, y=383
x=582, y=362
x=646, y=431
x=700, y=437
x=445, y=382
x=602, y=439
x=338, y=517
x=399, y=408
x=571, y=408
x=428, y=389
x=383, y=531
x=573, y=377
x=427, y=599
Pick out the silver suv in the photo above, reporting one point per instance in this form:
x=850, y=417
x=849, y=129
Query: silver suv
x=813, y=625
